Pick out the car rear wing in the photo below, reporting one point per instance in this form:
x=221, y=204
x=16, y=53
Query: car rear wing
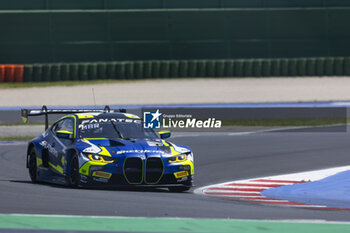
x=46, y=112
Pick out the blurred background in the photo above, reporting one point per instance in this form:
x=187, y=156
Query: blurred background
x=134, y=39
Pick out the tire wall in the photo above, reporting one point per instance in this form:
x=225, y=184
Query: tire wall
x=247, y=68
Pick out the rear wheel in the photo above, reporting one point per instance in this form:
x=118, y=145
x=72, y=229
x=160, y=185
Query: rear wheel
x=32, y=165
x=74, y=176
x=179, y=189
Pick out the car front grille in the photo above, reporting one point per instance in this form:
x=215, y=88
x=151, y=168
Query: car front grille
x=154, y=170
x=133, y=168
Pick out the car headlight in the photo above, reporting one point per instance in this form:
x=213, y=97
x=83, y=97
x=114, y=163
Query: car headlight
x=100, y=158
x=177, y=158
x=190, y=156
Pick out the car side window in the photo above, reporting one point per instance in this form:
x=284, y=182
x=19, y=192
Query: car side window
x=64, y=125
x=55, y=126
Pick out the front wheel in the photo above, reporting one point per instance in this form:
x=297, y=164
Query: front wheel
x=32, y=165
x=179, y=189
x=74, y=176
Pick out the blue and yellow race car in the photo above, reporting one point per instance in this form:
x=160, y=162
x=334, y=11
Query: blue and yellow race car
x=106, y=147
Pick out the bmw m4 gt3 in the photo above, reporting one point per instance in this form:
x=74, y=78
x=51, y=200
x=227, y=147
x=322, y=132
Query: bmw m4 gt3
x=104, y=147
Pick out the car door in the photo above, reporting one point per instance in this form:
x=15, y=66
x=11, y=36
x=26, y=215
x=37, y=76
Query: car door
x=57, y=159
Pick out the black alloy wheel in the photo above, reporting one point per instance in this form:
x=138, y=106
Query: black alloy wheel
x=32, y=165
x=74, y=176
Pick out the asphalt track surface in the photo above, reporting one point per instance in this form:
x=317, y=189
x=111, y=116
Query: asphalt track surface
x=218, y=158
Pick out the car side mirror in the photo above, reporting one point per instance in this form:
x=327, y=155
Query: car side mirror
x=64, y=134
x=164, y=134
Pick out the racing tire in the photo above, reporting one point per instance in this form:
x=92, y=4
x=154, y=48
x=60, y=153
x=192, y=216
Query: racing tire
x=74, y=176
x=179, y=189
x=32, y=166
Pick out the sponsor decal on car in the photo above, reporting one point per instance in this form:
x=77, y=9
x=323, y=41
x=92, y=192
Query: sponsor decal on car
x=138, y=151
x=48, y=146
x=181, y=174
x=102, y=174
x=103, y=120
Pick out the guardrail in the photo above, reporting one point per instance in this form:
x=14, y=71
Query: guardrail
x=291, y=67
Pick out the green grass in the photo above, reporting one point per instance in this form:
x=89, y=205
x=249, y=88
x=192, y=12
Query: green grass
x=59, y=83
x=72, y=83
x=16, y=138
x=238, y=122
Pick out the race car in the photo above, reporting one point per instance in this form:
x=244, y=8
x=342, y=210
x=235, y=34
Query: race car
x=106, y=147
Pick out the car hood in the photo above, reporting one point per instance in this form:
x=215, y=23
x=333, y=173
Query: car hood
x=132, y=147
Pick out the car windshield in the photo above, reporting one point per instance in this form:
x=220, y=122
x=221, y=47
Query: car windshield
x=114, y=128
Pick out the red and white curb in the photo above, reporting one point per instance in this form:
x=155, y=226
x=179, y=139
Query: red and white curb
x=250, y=189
